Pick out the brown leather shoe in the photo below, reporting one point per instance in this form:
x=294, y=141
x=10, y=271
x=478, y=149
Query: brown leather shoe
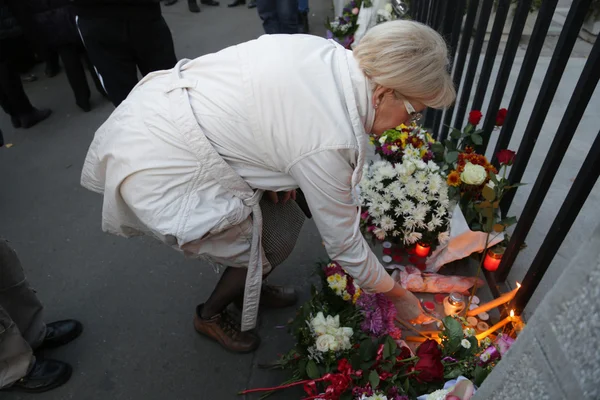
x=274, y=296
x=223, y=329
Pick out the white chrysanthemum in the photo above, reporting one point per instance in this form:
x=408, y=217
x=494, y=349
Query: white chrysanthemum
x=465, y=343
x=441, y=211
x=420, y=213
x=422, y=196
x=435, y=184
x=387, y=223
x=387, y=171
x=399, y=193
x=412, y=188
x=413, y=237
x=444, y=237
x=375, y=210
x=396, y=233
x=438, y=394
x=411, y=153
x=436, y=221
x=422, y=176
x=394, y=148
x=379, y=233
x=407, y=207
x=410, y=224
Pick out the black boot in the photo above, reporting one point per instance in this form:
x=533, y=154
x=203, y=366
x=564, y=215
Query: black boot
x=45, y=375
x=209, y=3
x=252, y=4
x=193, y=6
x=236, y=3
x=170, y=2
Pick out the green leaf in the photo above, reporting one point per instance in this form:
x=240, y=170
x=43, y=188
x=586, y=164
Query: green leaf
x=346, y=396
x=302, y=365
x=455, y=333
x=366, y=350
x=479, y=375
x=450, y=145
x=494, y=178
x=451, y=157
x=437, y=147
x=488, y=193
x=356, y=360
x=478, y=140
x=374, y=379
x=455, y=134
x=393, y=346
x=406, y=385
x=312, y=370
x=454, y=373
x=514, y=185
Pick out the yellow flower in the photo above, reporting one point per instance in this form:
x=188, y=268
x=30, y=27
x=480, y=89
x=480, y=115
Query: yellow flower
x=356, y=296
x=346, y=296
x=404, y=138
x=423, y=151
x=371, y=140
x=400, y=127
x=430, y=139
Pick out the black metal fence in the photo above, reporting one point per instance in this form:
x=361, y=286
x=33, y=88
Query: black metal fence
x=463, y=24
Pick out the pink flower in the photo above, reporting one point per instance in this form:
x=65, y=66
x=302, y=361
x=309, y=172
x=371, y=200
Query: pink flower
x=355, y=11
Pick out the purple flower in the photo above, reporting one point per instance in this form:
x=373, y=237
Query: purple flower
x=393, y=394
x=379, y=315
x=329, y=34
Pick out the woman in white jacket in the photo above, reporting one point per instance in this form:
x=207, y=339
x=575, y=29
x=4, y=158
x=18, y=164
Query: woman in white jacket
x=187, y=157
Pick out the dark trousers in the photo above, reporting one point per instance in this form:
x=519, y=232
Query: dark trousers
x=117, y=46
x=278, y=16
x=74, y=57
x=13, y=99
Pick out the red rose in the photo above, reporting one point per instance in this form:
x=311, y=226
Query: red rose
x=475, y=117
x=404, y=354
x=430, y=365
x=506, y=157
x=501, y=116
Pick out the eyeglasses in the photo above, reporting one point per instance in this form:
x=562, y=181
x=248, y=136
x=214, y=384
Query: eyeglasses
x=414, y=115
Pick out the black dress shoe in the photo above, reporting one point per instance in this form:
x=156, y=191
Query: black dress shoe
x=45, y=375
x=170, y=2
x=34, y=117
x=61, y=332
x=252, y=4
x=209, y=2
x=193, y=6
x=236, y=3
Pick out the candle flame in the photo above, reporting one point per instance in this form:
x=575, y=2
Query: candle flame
x=512, y=313
x=518, y=285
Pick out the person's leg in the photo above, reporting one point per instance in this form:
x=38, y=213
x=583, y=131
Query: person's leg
x=303, y=26
x=267, y=11
x=106, y=43
x=76, y=75
x=18, y=298
x=16, y=356
x=287, y=13
x=152, y=44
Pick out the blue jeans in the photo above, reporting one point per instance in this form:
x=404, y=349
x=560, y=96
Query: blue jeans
x=278, y=16
x=303, y=6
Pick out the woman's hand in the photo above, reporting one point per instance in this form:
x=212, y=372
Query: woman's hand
x=274, y=196
x=407, y=305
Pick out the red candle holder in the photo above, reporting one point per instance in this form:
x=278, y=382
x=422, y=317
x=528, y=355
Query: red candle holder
x=422, y=249
x=493, y=258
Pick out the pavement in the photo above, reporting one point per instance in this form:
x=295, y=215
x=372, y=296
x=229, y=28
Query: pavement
x=135, y=297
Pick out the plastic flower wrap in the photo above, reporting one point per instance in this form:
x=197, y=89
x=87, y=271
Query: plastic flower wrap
x=406, y=203
x=342, y=28
x=412, y=141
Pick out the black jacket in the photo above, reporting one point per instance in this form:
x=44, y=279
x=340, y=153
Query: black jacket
x=117, y=8
x=53, y=21
x=9, y=27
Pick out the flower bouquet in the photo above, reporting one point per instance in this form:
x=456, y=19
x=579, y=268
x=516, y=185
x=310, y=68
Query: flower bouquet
x=412, y=141
x=406, y=202
x=348, y=347
x=342, y=28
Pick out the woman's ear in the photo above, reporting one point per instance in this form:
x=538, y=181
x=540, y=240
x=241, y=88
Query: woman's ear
x=378, y=95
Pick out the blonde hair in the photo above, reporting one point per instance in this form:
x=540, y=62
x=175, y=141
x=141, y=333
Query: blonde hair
x=410, y=58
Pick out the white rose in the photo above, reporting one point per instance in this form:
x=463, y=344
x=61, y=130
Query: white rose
x=325, y=342
x=465, y=343
x=473, y=174
x=319, y=324
x=333, y=321
x=347, y=332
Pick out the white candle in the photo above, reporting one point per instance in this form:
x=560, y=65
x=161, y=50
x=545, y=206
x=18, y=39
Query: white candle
x=499, y=325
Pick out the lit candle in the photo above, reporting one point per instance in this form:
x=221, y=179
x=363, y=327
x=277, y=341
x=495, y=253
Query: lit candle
x=499, y=325
x=422, y=249
x=505, y=298
x=493, y=259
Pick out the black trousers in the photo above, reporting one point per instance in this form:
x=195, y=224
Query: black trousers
x=75, y=60
x=117, y=46
x=13, y=99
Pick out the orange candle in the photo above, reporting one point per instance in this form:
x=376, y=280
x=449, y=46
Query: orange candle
x=505, y=298
x=422, y=249
x=492, y=260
